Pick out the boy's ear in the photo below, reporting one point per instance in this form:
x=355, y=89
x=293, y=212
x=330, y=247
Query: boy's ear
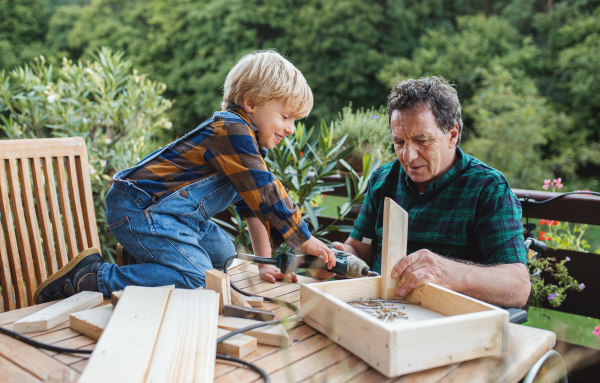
x=248, y=105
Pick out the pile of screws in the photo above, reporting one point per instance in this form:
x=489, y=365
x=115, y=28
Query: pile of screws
x=380, y=308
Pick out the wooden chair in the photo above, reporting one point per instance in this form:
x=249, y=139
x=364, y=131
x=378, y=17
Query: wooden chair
x=47, y=212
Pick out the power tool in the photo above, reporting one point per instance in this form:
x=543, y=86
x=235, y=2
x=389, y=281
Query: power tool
x=346, y=264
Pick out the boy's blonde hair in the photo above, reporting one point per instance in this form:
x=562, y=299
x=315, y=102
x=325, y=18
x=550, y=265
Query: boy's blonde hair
x=266, y=76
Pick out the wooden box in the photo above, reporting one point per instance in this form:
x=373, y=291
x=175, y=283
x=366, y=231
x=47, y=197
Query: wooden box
x=443, y=326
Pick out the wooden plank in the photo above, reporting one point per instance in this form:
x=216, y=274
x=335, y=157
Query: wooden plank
x=183, y=352
x=274, y=335
x=116, y=295
x=41, y=147
x=448, y=302
x=18, y=285
x=394, y=242
x=219, y=281
x=12, y=316
x=57, y=228
x=56, y=314
x=21, y=228
x=39, y=264
x=238, y=346
x=125, y=349
x=75, y=199
x=238, y=299
x=65, y=207
x=255, y=301
x=43, y=217
x=8, y=292
x=86, y=197
x=91, y=322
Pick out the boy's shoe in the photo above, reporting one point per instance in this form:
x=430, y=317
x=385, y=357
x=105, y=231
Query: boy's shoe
x=80, y=274
x=124, y=257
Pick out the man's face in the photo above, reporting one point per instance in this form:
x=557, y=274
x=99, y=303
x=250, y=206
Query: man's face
x=425, y=152
x=273, y=121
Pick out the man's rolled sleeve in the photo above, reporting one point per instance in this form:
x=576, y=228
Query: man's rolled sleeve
x=499, y=229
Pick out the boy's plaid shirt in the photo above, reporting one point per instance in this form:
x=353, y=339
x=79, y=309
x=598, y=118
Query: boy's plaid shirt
x=470, y=213
x=232, y=149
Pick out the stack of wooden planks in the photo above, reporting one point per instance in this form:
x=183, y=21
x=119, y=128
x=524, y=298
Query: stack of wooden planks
x=161, y=334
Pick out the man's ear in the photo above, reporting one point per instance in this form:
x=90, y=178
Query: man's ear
x=248, y=105
x=453, y=136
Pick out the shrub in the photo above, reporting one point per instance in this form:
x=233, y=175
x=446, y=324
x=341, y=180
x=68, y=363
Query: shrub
x=115, y=109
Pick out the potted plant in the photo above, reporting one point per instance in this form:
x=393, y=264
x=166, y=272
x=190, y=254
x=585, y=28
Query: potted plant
x=368, y=132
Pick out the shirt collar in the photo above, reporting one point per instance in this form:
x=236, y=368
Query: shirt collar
x=455, y=171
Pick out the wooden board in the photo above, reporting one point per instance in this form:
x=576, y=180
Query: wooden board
x=125, y=349
x=238, y=299
x=394, y=242
x=219, y=281
x=238, y=346
x=274, y=335
x=114, y=297
x=56, y=314
x=254, y=301
x=183, y=351
x=91, y=322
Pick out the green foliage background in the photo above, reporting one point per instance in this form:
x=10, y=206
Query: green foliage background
x=526, y=70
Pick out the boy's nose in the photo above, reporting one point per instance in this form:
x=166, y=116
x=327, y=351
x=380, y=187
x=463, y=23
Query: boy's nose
x=289, y=128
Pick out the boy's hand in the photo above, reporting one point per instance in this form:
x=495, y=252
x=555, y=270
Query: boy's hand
x=315, y=247
x=271, y=273
x=321, y=274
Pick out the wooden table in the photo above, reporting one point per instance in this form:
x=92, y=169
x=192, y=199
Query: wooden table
x=311, y=358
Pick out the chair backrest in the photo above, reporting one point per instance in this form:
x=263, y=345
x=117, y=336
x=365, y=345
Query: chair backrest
x=47, y=212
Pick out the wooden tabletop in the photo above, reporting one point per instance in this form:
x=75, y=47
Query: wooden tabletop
x=311, y=358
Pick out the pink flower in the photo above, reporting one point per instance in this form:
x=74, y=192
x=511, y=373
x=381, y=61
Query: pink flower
x=546, y=184
x=558, y=183
x=596, y=331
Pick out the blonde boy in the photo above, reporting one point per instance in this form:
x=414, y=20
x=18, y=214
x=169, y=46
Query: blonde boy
x=160, y=209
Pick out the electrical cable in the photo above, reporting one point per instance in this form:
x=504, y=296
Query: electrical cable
x=528, y=200
x=261, y=324
x=37, y=344
x=262, y=372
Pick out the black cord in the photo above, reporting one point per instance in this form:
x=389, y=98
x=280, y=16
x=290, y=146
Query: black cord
x=527, y=200
x=261, y=324
x=37, y=344
x=262, y=372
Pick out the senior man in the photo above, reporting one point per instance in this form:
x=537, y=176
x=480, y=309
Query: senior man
x=465, y=229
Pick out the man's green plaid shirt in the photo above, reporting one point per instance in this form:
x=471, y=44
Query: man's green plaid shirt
x=470, y=213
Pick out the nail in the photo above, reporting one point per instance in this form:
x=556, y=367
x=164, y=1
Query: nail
x=394, y=275
x=401, y=292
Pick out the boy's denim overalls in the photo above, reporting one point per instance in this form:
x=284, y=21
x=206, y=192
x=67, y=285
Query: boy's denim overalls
x=172, y=239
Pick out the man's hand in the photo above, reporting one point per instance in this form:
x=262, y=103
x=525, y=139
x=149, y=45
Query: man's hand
x=419, y=268
x=315, y=247
x=271, y=273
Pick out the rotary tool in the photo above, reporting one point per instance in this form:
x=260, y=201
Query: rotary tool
x=346, y=264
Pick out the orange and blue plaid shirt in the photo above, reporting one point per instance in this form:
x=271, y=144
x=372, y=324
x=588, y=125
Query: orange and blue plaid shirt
x=230, y=148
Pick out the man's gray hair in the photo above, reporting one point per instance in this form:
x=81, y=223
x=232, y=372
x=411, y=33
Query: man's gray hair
x=432, y=92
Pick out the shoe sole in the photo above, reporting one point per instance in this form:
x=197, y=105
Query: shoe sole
x=64, y=270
